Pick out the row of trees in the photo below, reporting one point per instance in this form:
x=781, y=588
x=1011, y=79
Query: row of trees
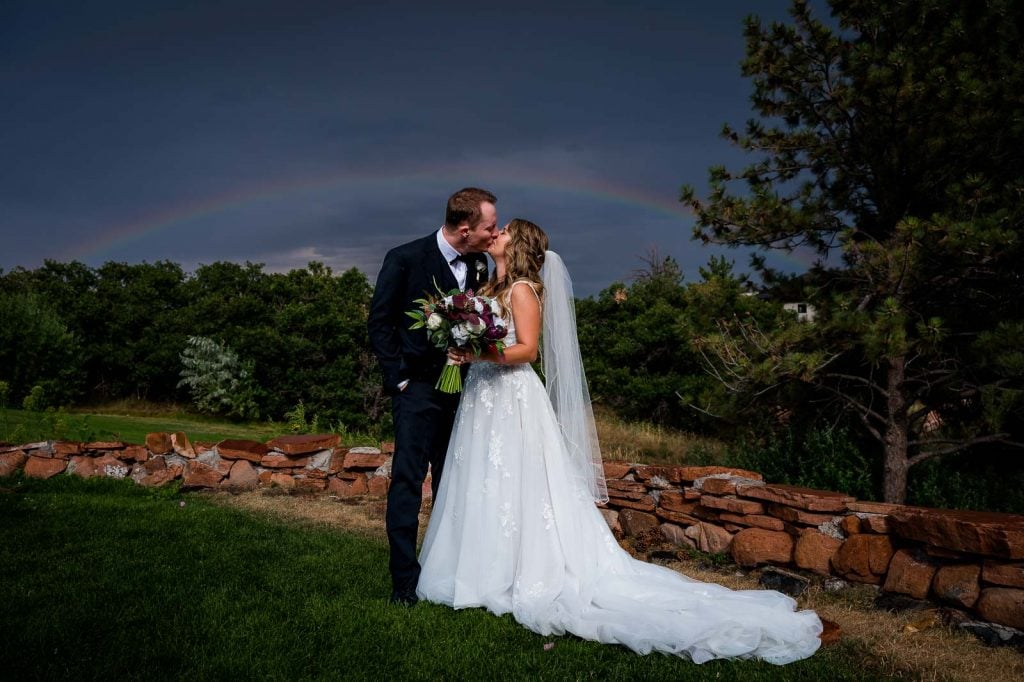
x=120, y=331
x=889, y=139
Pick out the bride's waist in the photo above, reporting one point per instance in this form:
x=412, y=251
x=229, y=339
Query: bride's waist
x=491, y=368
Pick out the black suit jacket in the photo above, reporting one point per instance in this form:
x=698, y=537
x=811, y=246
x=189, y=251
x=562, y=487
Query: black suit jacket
x=410, y=272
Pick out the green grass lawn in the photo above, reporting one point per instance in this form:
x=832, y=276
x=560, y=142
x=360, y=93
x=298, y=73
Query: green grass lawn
x=21, y=426
x=102, y=579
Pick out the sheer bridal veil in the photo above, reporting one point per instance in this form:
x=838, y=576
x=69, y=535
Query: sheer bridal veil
x=565, y=378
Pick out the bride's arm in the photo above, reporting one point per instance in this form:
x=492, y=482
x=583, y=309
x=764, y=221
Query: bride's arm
x=526, y=314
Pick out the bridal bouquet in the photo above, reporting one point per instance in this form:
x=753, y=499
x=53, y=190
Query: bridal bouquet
x=460, y=320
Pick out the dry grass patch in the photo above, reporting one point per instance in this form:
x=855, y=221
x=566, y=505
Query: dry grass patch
x=650, y=443
x=935, y=653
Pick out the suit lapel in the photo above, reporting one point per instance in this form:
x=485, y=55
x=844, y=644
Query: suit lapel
x=439, y=267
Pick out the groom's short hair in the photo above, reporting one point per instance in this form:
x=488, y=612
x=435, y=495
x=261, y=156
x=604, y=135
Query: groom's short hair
x=464, y=207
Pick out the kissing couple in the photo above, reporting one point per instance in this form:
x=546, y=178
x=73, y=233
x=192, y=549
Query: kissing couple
x=516, y=468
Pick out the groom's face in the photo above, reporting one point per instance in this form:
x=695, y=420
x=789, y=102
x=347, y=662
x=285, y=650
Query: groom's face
x=478, y=238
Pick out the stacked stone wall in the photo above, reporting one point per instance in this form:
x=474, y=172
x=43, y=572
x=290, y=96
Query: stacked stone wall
x=970, y=561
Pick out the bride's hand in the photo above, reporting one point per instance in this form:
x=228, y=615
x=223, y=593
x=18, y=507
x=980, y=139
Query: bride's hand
x=457, y=356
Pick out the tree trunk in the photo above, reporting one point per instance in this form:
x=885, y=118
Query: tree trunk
x=894, y=480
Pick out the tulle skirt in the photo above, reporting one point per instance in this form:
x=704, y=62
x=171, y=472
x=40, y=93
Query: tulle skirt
x=513, y=531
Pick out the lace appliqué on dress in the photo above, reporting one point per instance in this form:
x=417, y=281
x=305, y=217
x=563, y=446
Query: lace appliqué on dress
x=508, y=520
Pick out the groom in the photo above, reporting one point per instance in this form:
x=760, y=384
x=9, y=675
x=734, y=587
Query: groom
x=451, y=258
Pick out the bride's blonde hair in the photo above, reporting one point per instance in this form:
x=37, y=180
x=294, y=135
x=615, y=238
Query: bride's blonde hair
x=524, y=256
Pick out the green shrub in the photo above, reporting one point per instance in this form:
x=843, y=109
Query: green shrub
x=817, y=458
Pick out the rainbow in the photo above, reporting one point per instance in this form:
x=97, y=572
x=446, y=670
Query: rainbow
x=113, y=238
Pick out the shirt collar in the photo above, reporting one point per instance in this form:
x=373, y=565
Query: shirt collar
x=447, y=250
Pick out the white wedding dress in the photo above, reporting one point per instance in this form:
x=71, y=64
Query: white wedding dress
x=514, y=532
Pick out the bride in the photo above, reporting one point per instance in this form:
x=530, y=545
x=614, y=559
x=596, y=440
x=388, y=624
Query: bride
x=514, y=528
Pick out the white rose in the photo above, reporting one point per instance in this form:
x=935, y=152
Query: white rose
x=434, y=321
x=460, y=335
x=476, y=329
x=478, y=306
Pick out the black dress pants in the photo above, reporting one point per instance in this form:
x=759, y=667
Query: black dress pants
x=423, y=419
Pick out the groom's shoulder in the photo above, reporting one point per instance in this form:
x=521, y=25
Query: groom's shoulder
x=414, y=248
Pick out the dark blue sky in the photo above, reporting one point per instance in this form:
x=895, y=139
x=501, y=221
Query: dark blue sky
x=282, y=132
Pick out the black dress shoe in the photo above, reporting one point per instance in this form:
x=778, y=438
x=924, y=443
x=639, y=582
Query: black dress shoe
x=404, y=597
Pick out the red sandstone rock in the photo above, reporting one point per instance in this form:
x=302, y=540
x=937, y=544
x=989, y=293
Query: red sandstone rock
x=82, y=466
x=675, y=500
x=863, y=558
x=644, y=504
x=724, y=486
x=807, y=499
x=909, y=573
x=11, y=462
x=958, y=584
x=378, y=485
x=199, y=475
x=874, y=507
x=159, y=478
x=794, y=515
x=611, y=517
x=850, y=524
x=66, y=449
x=44, y=467
x=155, y=464
x=709, y=537
x=634, y=522
x=693, y=473
x=303, y=444
x=615, y=497
x=753, y=520
x=875, y=523
x=676, y=517
x=1001, y=573
x=343, y=488
x=110, y=467
x=388, y=447
x=133, y=453
x=755, y=546
x=830, y=632
x=310, y=485
x=40, y=449
x=182, y=446
x=1002, y=605
x=648, y=472
x=676, y=535
x=277, y=460
x=814, y=551
x=337, y=462
x=707, y=514
x=365, y=458
x=248, y=450
x=159, y=443
x=732, y=504
x=265, y=476
x=985, y=533
x=282, y=480
x=241, y=476
x=691, y=494
x=616, y=470
x=627, y=486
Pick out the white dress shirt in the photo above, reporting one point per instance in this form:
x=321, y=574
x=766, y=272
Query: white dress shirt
x=459, y=268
